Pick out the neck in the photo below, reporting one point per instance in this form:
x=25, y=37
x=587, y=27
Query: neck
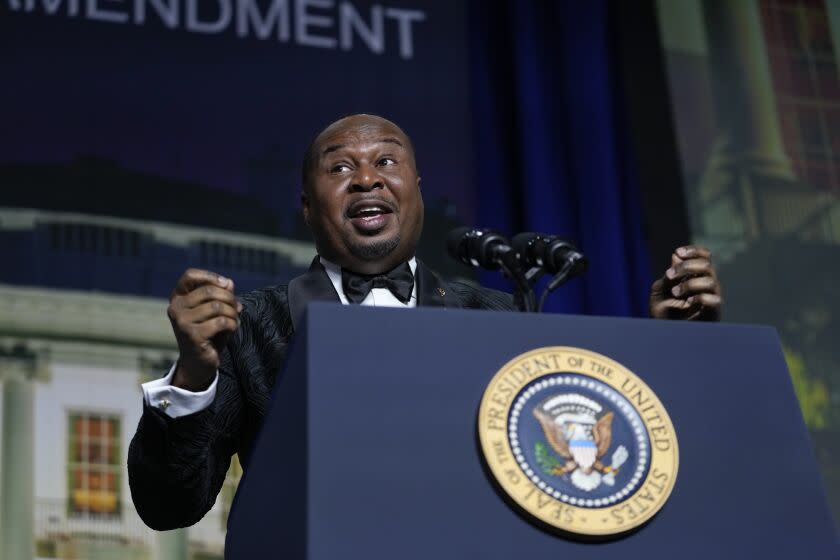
x=368, y=268
x=412, y=263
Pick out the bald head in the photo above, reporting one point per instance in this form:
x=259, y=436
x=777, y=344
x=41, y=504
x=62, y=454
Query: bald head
x=359, y=124
x=361, y=194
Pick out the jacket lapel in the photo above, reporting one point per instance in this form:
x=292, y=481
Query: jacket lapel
x=431, y=292
x=314, y=285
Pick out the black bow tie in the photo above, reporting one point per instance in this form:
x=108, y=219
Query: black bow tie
x=399, y=280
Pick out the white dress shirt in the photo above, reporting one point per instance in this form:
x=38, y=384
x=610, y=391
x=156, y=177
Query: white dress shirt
x=175, y=402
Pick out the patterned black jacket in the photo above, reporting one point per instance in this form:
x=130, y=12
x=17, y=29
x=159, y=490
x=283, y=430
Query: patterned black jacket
x=176, y=467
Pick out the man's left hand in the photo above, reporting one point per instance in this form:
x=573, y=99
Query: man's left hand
x=689, y=289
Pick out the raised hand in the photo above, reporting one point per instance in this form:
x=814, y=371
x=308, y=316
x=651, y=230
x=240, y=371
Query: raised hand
x=689, y=289
x=204, y=313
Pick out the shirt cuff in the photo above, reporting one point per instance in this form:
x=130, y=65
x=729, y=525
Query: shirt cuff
x=174, y=401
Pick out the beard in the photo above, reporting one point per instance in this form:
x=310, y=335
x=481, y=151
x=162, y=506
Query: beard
x=374, y=250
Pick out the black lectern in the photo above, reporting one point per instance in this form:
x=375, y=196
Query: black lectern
x=369, y=449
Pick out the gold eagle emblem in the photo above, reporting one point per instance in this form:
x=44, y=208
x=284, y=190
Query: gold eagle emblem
x=583, y=446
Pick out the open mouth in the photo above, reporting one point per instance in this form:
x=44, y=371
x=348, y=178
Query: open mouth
x=369, y=216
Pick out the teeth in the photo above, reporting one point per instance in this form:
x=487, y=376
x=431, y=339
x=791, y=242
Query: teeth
x=369, y=209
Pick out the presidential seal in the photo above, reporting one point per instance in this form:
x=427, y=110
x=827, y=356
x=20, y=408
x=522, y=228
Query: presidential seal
x=578, y=442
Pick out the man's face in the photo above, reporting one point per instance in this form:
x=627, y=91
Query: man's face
x=363, y=203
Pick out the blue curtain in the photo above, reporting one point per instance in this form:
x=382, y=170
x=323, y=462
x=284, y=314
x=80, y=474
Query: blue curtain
x=552, y=150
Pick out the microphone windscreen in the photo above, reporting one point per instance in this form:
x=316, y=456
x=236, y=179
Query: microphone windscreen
x=455, y=241
x=522, y=243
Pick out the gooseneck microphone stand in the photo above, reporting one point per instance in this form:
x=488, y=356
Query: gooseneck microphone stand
x=523, y=295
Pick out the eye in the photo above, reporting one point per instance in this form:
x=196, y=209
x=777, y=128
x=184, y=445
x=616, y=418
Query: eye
x=386, y=161
x=339, y=168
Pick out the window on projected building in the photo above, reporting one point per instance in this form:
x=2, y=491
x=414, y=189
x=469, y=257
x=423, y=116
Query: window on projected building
x=93, y=466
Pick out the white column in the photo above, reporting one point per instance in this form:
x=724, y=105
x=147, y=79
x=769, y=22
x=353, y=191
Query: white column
x=743, y=88
x=833, y=11
x=17, y=481
x=172, y=545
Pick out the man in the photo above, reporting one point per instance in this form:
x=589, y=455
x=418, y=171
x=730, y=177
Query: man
x=361, y=199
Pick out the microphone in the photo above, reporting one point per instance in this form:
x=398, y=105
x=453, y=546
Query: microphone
x=549, y=252
x=489, y=249
x=483, y=248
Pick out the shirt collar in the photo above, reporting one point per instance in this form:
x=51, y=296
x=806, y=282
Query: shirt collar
x=334, y=273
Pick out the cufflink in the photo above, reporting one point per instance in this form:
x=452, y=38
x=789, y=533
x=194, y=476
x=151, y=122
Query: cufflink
x=163, y=404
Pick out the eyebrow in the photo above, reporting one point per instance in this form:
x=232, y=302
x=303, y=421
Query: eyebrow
x=336, y=147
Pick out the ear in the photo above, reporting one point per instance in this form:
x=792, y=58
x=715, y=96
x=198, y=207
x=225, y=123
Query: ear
x=418, y=182
x=304, y=204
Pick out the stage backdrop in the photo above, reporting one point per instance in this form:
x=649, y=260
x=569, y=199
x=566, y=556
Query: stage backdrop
x=197, y=113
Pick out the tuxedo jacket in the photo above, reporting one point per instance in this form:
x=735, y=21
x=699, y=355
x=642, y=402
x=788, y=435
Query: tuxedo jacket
x=176, y=466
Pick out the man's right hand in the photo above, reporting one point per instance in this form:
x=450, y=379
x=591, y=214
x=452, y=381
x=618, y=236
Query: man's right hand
x=204, y=313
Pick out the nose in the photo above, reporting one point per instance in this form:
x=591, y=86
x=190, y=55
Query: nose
x=366, y=179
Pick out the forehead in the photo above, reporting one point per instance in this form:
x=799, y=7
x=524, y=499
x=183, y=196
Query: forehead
x=360, y=133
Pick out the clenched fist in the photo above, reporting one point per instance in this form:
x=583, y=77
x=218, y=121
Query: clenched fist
x=204, y=313
x=689, y=289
